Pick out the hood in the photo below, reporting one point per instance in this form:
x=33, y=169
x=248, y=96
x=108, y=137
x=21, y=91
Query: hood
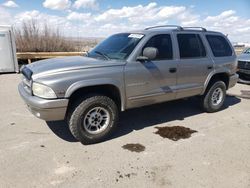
x=55, y=65
x=244, y=57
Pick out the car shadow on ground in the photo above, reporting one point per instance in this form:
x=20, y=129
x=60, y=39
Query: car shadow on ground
x=61, y=129
x=140, y=118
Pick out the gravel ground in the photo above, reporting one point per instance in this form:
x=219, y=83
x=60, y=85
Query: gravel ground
x=34, y=153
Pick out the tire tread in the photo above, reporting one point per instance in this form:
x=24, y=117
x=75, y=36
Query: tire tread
x=78, y=107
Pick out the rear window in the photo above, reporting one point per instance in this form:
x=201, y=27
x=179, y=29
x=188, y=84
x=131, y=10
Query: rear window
x=191, y=46
x=219, y=46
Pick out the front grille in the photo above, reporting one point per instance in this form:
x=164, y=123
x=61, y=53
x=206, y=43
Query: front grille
x=244, y=65
x=27, y=78
x=26, y=72
x=27, y=84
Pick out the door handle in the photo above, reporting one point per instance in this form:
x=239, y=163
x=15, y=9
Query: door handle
x=209, y=67
x=173, y=70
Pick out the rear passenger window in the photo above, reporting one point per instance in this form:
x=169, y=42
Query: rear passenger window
x=219, y=46
x=190, y=46
x=164, y=45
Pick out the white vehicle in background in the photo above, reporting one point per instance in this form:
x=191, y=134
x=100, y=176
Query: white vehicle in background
x=7, y=50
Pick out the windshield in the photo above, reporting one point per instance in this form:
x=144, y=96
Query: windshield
x=247, y=51
x=118, y=46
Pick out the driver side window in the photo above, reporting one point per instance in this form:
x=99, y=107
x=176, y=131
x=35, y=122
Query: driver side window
x=163, y=43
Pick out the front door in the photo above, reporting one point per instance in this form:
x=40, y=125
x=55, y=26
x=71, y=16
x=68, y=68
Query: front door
x=152, y=81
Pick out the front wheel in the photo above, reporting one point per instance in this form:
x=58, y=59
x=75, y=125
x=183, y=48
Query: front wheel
x=214, y=97
x=93, y=119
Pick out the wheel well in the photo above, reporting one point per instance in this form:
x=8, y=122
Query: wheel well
x=220, y=76
x=106, y=90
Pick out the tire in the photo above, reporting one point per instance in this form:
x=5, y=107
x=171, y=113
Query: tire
x=93, y=119
x=213, y=99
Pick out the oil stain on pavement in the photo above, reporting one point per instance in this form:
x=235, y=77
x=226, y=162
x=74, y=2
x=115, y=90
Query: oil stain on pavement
x=175, y=133
x=134, y=147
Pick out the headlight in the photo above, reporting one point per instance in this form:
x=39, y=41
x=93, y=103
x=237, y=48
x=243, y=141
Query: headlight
x=43, y=91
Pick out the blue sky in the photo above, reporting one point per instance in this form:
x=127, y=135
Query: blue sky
x=99, y=18
x=204, y=7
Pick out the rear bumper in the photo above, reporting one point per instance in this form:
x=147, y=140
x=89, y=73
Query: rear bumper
x=233, y=80
x=48, y=110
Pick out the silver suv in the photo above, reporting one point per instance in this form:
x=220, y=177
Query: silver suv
x=130, y=70
x=244, y=66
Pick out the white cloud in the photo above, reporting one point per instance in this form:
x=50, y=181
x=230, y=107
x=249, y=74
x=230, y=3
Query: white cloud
x=104, y=23
x=10, y=4
x=57, y=4
x=169, y=11
x=222, y=16
x=188, y=18
x=28, y=15
x=41, y=19
x=79, y=16
x=5, y=17
x=148, y=15
x=229, y=23
x=93, y=4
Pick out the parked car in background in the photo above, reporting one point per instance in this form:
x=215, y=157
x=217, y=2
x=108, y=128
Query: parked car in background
x=244, y=66
x=130, y=70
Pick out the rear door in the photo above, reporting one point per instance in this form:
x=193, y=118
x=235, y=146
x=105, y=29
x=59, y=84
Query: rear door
x=194, y=64
x=152, y=81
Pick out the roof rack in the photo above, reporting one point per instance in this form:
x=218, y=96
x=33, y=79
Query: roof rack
x=159, y=26
x=202, y=28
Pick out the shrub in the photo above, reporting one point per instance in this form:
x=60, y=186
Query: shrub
x=34, y=37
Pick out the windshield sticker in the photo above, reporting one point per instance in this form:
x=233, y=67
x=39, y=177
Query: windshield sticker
x=138, y=36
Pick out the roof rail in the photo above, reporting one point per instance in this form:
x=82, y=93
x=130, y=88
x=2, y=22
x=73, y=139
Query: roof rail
x=159, y=26
x=202, y=28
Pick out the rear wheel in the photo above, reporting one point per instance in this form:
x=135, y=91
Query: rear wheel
x=93, y=119
x=214, y=97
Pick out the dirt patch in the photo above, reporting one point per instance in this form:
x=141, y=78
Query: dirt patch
x=175, y=133
x=121, y=176
x=134, y=147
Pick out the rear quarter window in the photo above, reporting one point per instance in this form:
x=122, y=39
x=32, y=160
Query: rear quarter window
x=219, y=46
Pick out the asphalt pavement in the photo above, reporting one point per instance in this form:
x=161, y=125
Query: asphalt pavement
x=35, y=153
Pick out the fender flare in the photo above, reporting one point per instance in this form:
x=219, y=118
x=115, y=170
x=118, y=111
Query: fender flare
x=98, y=82
x=210, y=76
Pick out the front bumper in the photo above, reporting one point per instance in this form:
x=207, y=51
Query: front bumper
x=244, y=71
x=48, y=110
x=244, y=76
x=233, y=80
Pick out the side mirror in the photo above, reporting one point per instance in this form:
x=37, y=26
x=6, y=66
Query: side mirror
x=149, y=53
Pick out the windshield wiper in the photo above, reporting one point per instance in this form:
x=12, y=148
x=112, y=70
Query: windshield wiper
x=102, y=54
